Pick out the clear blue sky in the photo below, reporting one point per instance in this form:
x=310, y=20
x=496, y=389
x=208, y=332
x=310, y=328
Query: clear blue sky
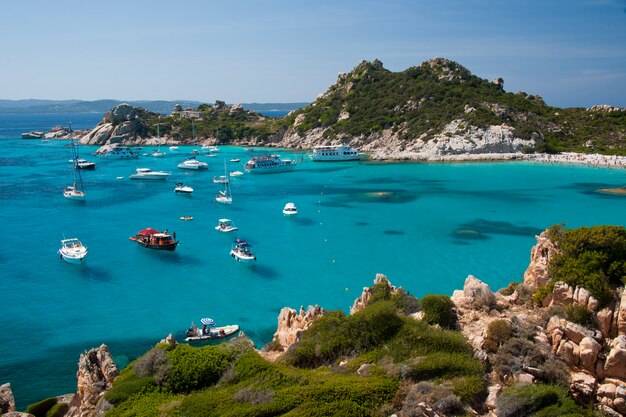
x=571, y=52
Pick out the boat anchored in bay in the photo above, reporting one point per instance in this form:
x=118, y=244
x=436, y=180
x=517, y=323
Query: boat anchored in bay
x=72, y=251
x=267, y=164
x=154, y=239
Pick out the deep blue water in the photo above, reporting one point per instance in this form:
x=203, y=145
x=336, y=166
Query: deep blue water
x=426, y=226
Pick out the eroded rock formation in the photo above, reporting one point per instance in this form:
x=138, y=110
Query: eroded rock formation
x=7, y=401
x=96, y=373
x=291, y=323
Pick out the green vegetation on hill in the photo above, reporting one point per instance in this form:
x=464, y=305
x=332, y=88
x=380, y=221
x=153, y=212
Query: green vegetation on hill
x=591, y=257
x=393, y=353
x=420, y=101
x=217, y=122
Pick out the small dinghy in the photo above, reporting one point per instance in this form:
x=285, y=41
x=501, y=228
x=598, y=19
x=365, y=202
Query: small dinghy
x=205, y=333
x=186, y=218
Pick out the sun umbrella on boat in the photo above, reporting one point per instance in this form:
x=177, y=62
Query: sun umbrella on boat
x=207, y=321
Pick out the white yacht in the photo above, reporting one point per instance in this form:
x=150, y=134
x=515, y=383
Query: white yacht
x=236, y=174
x=72, y=251
x=149, y=175
x=328, y=153
x=210, y=148
x=225, y=226
x=193, y=163
x=158, y=153
x=173, y=148
x=182, y=188
x=119, y=152
x=267, y=164
x=290, y=209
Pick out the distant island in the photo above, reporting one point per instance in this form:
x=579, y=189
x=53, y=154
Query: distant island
x=102, y=106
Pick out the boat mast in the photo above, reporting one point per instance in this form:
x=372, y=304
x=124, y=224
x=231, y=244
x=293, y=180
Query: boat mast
x=75, y=156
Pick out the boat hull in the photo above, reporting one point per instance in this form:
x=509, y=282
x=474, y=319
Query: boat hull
x=71, y=258
x=242, y=258
x=214, y=333
x=168, y=247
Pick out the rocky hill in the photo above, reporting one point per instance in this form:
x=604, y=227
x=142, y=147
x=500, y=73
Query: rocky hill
x=545, y=347
x=440, y=108
x=437, y=110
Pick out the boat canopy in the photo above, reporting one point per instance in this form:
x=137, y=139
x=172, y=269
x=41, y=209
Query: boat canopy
x=207, y=321
x=225, y=220
x=148, y=232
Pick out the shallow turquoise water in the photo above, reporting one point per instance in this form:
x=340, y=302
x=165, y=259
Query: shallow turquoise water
x=426, y=226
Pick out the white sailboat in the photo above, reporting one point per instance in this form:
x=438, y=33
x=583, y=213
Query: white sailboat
x=158, y=153
x=225, y=197
x=76, y=191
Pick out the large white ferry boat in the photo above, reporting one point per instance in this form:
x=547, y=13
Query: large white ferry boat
x=119, y=152
x=326, y=153
x=270, y=163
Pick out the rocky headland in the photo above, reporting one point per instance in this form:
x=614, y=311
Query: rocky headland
x=520, y=335
x=437, y=111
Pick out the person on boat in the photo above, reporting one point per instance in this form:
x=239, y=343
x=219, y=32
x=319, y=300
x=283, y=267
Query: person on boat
x=222, y=332
x=204, y=330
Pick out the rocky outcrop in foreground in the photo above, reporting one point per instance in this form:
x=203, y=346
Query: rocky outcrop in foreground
x=96, y=373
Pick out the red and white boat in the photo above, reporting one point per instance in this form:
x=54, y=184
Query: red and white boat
x=154, y=239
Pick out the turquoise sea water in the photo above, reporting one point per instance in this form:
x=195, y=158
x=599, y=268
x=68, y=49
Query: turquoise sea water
x=426, y=226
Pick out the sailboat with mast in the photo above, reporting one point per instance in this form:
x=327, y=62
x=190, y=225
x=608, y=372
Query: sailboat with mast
x=225, y=197
x=76, y=191
x=158, y=153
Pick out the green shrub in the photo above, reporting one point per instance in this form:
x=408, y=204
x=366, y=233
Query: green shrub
x=196, y=368
x=445, y=366
x=591, y=257
x=58, y=410
x=498, y=332
x=146, y=405
x=39, y=409
x=336, y=335
x=536, y=400
x=469, y=388
x=438, y=309
x=579, y=314
x=123, y=389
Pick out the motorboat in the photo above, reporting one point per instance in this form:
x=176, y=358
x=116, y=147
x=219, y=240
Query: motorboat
x=267, y=164
x=241, y=251
x=290, y=209
x=330, y=153
x=222, y=179
x=186, y=218
x=211, y=155
x=182, y=188
x=209, y=148
x=153, y=239
x=225, y=226
x=149, y=175
x=33, y=135
x=193, y=163
x=72, y=251
x=236, y=174
x=83, y=164
x=119, y=152
x=194, y=333
x=235, y=160
x=173, y=148
x=158, y=154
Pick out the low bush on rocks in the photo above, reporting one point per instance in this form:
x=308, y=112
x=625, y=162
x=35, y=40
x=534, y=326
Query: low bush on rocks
x=438, y=309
